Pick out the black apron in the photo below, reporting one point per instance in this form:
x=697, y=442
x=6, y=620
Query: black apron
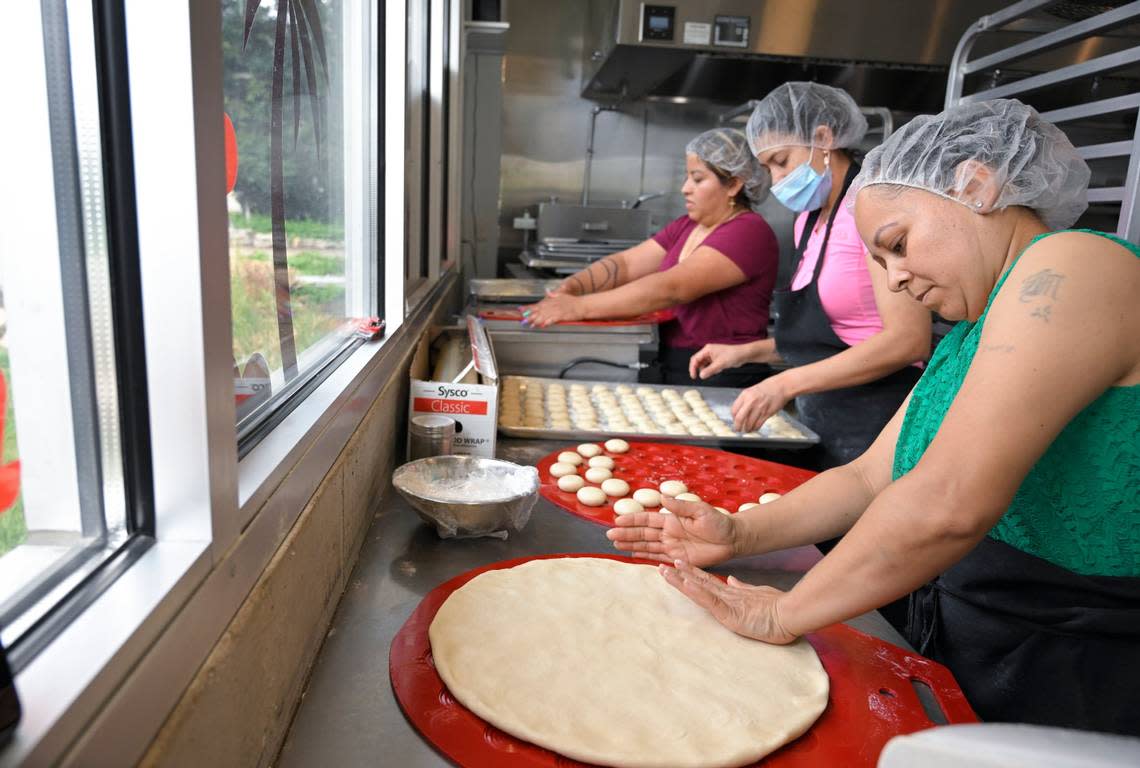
x=1032, y=642
x=847, y=420
x=674, y=362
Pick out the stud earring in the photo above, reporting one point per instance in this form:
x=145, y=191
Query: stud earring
x=977, y=203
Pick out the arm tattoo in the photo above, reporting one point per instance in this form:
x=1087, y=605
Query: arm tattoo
x=1044, y=283
x=611, y=270
x=578, y=282
x=1041, y=285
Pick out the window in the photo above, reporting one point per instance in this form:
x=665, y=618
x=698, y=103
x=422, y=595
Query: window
x=75, y=477
x=111, y=224
x=428, y=128
x=296, y=100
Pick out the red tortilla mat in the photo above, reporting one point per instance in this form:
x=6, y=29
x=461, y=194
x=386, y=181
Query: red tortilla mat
x=721, y=478
x=871, y=699
x=651, y=318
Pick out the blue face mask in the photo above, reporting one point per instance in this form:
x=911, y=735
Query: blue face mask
x=804, y=189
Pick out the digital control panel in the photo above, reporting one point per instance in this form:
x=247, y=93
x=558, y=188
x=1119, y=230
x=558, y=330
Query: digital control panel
x=731, y=31
x=658, y=22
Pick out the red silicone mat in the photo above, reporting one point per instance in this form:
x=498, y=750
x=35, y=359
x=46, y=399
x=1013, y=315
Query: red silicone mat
x=651, y=318
x=871, y=697
x=721, y=478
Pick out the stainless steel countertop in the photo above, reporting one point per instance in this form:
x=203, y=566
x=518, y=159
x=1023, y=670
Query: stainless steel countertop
x=349, y=716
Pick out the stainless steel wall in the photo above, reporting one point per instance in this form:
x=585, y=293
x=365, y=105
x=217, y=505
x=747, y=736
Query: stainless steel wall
x=545, y=122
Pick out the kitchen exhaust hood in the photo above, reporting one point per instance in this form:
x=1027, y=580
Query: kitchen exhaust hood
x=887, y=52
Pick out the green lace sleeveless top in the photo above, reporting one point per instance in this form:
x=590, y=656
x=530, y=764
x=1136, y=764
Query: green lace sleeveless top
x=1079, y=506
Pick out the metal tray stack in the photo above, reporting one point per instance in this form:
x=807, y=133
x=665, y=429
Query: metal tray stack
x=517, y=418
x=510, y=291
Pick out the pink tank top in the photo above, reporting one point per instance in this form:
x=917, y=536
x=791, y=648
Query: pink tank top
x=845, y=289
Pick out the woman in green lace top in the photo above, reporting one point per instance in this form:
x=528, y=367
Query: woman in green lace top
x=1004, y=496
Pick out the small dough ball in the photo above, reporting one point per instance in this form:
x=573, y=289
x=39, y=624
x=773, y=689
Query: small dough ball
x=722, y=510
x=617, y=445
x=647, y=497
x=686, y=496
x=615, y=487
x=746, y=507
x=768, y=498
x=569, y=457
x=673, y=487
x=627, y=507
x=601, y=461
x=589, y=450
x=598, y=474
x=560, y=469
x=570, y=483
x=591, y=496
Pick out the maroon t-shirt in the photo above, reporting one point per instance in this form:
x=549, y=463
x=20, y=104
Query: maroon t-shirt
x=735, y=315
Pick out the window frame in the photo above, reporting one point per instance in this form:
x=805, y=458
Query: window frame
x=65, y=589
x=105, y=685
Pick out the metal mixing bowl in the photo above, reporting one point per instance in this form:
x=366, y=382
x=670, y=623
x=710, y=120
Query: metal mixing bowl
x=468, y=495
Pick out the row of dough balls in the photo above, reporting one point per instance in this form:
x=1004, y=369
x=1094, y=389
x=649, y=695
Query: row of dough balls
x=523, y=403
x=645, y=410
x=777, y=426
x=599, y=470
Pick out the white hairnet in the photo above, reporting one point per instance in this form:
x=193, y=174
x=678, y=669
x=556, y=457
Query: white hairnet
x=1034, y=163
x=790, y=114
x=727, y=150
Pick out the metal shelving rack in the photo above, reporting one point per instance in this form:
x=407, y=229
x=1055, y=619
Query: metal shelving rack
x=1043, y=27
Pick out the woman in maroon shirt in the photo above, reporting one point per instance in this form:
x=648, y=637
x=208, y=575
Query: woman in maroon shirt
x=715, y=266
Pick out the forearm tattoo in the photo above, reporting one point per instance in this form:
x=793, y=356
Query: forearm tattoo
x=609, y=276
x=1041, y=290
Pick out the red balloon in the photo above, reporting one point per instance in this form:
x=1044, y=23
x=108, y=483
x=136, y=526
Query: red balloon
x=231, y=155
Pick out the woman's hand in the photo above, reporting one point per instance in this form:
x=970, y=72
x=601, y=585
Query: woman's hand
x=714, y=358
x=755, y=404
x=745, y=609
x=571, y=286
x=695, y=532
x=555, y=308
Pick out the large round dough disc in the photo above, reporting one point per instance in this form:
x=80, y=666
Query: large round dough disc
x=604, y=662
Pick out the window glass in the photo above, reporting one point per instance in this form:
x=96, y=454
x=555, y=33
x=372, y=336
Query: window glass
x=283, y=88
x=63, y=507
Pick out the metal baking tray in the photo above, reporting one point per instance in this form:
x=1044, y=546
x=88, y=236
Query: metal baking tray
x=719, y=399
x=569, y=266
x=508, y=291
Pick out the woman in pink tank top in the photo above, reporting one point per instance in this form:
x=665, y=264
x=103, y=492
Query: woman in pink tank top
x=852, y=343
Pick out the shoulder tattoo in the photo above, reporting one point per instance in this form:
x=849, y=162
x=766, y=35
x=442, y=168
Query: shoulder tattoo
x=1041, y=289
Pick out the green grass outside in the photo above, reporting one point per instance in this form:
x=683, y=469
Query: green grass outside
x=317, y=310
x=13, y=529
x=305, y=262
x=260, y=222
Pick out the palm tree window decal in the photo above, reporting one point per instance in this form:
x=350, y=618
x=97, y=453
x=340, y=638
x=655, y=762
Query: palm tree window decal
x=297, y=28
